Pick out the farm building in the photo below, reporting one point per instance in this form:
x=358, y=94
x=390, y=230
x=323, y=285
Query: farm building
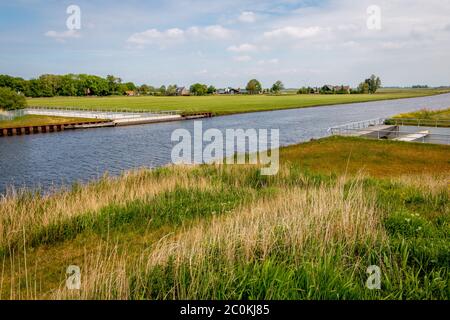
x=182, y=91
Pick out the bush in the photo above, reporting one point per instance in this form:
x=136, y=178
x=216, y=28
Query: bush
x=10, y=100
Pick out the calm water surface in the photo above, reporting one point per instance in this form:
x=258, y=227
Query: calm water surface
x=48, y=160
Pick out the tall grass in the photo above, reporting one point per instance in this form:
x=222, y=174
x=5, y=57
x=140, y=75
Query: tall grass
x=226, y=232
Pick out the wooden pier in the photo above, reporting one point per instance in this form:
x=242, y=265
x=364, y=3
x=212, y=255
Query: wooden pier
x=197, y=115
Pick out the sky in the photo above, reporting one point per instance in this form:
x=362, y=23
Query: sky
x=226, y=43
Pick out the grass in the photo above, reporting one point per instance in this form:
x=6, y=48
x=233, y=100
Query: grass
x=226, y=232
x=38, y=120
x=433, y=118
x=221, y=105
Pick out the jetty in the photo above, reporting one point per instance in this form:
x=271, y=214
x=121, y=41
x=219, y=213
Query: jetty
x=100, y=119
x=421, y=135
x=392, y=129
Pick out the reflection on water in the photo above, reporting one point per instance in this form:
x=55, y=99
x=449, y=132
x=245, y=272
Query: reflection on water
x=63, y=158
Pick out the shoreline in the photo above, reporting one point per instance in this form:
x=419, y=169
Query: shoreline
x=69, y=187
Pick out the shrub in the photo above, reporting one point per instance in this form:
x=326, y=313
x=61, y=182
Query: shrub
x=10, y=100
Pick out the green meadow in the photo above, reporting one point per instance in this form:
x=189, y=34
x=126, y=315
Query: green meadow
x=337, y=206
x=38, y=120
x=221, y=105
x=425, y=117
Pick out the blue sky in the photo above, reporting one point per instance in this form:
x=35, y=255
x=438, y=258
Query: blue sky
x=229, y=42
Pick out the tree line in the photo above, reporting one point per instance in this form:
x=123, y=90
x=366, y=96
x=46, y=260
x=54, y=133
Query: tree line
x=13, y=90
x=49, y=85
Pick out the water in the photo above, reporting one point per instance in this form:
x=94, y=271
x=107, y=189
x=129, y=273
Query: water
x=51, y=160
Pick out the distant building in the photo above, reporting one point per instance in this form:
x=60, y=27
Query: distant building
x=182, y=91
x=229, y=90
x=130, y=93
x=333, y=89
x=345, y=89
x=327, y=88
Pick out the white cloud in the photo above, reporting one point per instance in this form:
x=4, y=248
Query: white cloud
x=63, y=35
x=393, y=45
x=176, y=35
x=293, y=32
x=247, y=17
x=270, y=61
x=242, y=58
x=245, y=47
x=152, y=36
x=217, y=32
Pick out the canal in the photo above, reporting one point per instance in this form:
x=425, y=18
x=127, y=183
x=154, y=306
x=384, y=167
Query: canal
x=51, y=160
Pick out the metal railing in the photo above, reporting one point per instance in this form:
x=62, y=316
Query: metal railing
x=418, y=122
x=396, y=133
x=99, y=114
x=359, y=125
x=11, y=115
x=106, y=110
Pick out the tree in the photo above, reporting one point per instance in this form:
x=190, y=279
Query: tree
x=49, y=85
x=11, y=100
x=171, y=90
x=277, y=86
x=113, y=84
x=144, y=89
x=305, y=90
x=254, y=86
x=211, y=90
x=363, y=87
x=68, y=86
x=370, y=85
x=199, y=89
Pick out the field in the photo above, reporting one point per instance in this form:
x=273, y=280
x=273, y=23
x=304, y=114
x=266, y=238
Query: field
x=434, y=118
x=37, y=120
x=220, y=105
x=226, y=232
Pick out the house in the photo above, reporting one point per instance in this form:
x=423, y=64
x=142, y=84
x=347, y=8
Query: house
x=335, y=89
x=343, y=89
x=182, y=91
x=327, y=88
x=232, y=90
x=228, y=90
x=130, y=93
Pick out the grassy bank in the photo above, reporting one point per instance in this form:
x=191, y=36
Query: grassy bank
x=223, y=104
x=38, y=120
x=337, y=206
x=433, y=118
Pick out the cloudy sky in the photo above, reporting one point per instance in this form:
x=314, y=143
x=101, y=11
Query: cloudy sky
x=301, y=42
